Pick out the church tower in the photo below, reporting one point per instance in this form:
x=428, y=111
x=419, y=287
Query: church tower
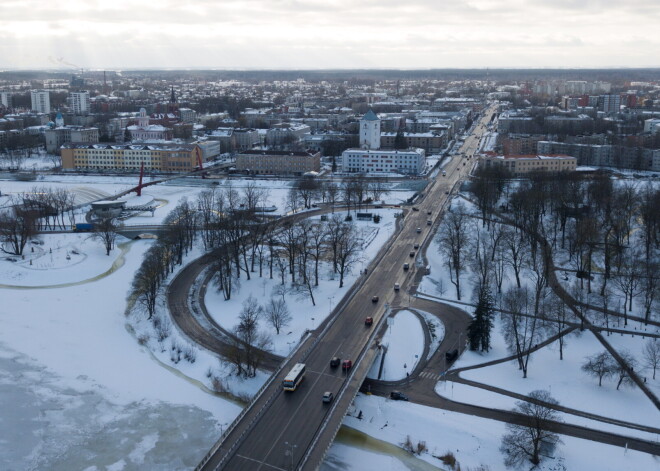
x=370, y=131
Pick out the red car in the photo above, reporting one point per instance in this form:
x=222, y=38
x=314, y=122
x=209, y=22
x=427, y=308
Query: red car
x=346, y=364
x=369, y=321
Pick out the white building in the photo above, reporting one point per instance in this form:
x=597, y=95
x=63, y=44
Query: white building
x=410, y=161
x=5, y=99
x=144, y=131
x=369, y=158
x=40, y=101
x=370, y=131
x=652, y=125
x=79, y=102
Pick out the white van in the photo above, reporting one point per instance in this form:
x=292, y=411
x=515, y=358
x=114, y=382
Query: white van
x=397, y=286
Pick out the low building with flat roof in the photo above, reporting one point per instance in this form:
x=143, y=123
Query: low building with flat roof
x=272, y=162
x=523, y=164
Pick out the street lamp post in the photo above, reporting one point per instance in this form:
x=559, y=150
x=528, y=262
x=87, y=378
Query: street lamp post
x=289, y=451
x=330, y=299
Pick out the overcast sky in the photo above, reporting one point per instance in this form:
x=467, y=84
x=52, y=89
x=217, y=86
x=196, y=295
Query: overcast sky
x=313, y=34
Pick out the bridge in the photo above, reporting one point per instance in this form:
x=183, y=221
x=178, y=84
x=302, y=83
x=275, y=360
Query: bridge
x=293, y=430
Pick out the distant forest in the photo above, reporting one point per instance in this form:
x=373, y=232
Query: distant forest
x=356, y=75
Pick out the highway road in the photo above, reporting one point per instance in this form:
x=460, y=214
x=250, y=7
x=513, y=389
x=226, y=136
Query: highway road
x=279, y=427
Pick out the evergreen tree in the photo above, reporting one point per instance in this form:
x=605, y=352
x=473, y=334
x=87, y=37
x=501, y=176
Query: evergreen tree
x=479, y=329
x=400, y=141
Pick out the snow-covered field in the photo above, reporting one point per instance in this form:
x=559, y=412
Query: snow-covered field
x=472, y=440
x=304, y=315
x=403, y=346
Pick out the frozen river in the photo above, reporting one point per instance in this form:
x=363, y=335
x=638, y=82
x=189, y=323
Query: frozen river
x=45, y=425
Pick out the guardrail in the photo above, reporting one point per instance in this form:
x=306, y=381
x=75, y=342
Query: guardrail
x=329, y=416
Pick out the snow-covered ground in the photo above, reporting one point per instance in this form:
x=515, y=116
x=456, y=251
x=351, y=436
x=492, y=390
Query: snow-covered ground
x=403, y=346
x=304, y=315
x=472, y=440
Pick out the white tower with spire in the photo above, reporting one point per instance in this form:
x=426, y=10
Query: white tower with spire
x=370, y=131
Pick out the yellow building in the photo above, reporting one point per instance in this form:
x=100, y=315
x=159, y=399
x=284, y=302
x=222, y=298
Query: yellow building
x=522, y=164
x=160, y=157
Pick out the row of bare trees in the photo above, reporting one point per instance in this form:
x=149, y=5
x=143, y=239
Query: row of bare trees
x=353, y=192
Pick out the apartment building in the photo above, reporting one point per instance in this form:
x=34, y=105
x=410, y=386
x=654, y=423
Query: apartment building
x=168, y=157
x=79, y=102
x=271, y=162
x=40, y=101
x=523, y=164
x=56, y=137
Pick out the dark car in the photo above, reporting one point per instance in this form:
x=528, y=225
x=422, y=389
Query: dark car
x=451, y=355
x=406, y=266
x=415, y=208
x=374, y=299
x=369, y=321
x=429, y=212
x=398, y=396
x=412, y=253
x=346, y=364
x=416, y=246
x=334, y=363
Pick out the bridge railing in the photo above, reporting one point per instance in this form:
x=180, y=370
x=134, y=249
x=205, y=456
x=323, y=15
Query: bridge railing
x=329, y=416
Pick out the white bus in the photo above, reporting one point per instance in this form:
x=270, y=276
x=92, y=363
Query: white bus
x=295, y=376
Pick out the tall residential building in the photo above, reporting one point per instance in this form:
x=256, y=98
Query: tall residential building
x=370, y=131
x=5, y=99
x=40, y=101
x=611, y=103
x=80, y=102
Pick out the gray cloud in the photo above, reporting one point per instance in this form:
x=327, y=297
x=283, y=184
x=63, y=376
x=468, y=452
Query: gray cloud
x=341, y=33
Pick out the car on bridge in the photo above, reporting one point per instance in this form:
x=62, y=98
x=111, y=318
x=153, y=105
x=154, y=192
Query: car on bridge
x=374, y=299
x=419, y=230
x=406, y=266
x=328, y=397
x=369, y=321
x=346, y=365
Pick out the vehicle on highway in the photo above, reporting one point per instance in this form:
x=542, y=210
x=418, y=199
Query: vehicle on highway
x=374, y=299
x=398, y=396
x=328, y=397
x=451, y=355
x=346, y=364
x=444, y=173
x=447, y=192
x=415, y=208
x=406, y=266
x=429, y=222
x=419, y=230
x=294, y=378
x=369, y=321
x=429, y=212
x=416, y=246
x=397, y=286
x=412, y=253
x=334, y=363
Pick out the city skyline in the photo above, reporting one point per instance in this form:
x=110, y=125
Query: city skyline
x=310, y=34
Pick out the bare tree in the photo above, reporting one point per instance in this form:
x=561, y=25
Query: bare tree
x=148, y=279
x=514, y=241
x=556, y=313
x=106, y=232
x=349, y=248
x=601, y=365
x=15, y=231
x=453, y=238
x=278, y=314
x=519, y=325
x=247, y=331
x=524, y=443
x=623, y=368
x=652, y=355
